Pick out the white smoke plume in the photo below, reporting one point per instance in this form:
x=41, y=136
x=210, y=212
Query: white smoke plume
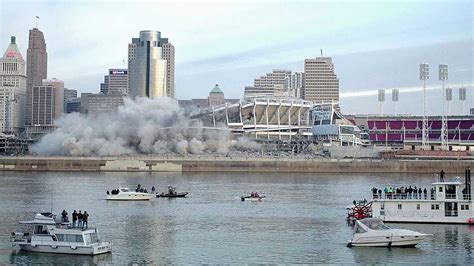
x=141, y=126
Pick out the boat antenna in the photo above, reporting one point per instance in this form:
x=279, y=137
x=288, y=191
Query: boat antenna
x=52, y=192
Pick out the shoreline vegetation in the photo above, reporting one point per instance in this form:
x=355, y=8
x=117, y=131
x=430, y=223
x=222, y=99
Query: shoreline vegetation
x=288, y=164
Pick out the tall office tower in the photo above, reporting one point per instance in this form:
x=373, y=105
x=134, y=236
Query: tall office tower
x=274, y=84
x=147, y=67
x=47, y=106
x=116, y=82
x=69, y=94
x=58, y=86
x=168, y=55
x=12, y=90
x=36, y=65
x=321, y=84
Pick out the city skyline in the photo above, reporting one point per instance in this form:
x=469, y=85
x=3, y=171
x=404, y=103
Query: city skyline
x=380, y=48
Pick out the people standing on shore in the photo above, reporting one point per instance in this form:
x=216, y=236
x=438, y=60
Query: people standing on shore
x=74, y=219
x=80, y=216
x=85, y=219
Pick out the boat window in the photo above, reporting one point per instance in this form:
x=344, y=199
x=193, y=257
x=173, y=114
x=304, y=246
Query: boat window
x=94, y=238
x=79, y=238
x=41, y=230
x=359, y=230
x=467, y=207
x=417, y=206
x=399, y=206
x=60, y=237
x=462, y=207
x=87, y=239
x=440, y=189
x=124, y=190
x=382, y=206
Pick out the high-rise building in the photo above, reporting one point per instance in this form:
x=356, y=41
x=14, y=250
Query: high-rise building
x=47, y=105
x=148, y=68
x=168, y=55
x=36, y=65
x=69, y=94
x=116, y=82
x=275, y=84
x=103, y=103
x=12, y=90
x=321, y=84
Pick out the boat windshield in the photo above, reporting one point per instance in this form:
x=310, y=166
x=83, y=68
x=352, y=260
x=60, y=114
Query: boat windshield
x=375, y=224
x=124, y=190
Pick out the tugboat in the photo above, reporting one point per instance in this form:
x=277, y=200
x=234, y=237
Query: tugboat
x=172, y=193
x=50, y=235
x=254, y=196
x=124, y=193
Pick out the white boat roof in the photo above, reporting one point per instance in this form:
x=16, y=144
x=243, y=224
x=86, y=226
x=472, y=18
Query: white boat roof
x=42, y=218
x=456, y=183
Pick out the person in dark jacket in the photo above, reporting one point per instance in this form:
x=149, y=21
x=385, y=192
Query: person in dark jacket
x=74, y=219
x=85, y=218
x=64, y=215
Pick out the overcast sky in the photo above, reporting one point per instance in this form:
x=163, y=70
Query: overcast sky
x=374, y=44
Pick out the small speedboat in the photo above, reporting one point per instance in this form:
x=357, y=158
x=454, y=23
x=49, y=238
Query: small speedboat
x=127, y=194
x=253, y=197
x=172, y=193
x=372, y=232
x=50, y=235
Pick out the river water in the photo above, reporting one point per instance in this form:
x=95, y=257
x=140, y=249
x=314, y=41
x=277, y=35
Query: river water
x=302, y=220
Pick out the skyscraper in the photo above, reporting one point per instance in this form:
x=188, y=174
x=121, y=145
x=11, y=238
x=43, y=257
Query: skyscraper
x=168, y=55
x=275, y=84
x=321, y=84
x=36, y=65
x=12, y=90
x=148, y=67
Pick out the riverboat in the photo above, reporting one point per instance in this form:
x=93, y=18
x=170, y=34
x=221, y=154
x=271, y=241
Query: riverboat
x=50, y=235
x=128, y=195
x=446, y=202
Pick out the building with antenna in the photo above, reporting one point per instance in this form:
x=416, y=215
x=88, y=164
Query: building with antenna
x=36, y=65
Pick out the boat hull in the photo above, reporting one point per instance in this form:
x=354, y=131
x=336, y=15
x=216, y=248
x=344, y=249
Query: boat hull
x=252, y=198
x=404, y=243
x=79, y=250
x=130, y=197
x=177, y=195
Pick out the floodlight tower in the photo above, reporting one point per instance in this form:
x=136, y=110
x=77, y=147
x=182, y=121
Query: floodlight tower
x=395, y=94
x=381, y=99
x=424, y=75
x=449, y=98
x=443, y=76
x=462, y=98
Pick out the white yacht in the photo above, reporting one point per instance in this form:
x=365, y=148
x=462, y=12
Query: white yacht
x=445, y=202
x=372, y=232
x=49, y=235
x=126, y=194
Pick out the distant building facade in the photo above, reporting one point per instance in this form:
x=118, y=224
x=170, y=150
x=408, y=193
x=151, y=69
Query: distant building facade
x=116, y=82
x=104, y=103
x=73, y=105
x=12, y=90
x=216, y=97
x=321, y=84
x=148, y=67
x=36, y=65
x=275, y=84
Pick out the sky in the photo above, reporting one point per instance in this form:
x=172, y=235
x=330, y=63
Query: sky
x=374, y=44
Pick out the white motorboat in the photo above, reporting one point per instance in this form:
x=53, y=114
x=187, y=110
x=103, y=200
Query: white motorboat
x=127, y=194
x=252, y=198
x=372, y=232
x=51, y=236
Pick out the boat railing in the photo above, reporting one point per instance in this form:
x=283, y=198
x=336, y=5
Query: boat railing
x=405, y=196
x=450, y=195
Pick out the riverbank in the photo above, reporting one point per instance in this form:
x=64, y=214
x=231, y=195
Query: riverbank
x=229, y=164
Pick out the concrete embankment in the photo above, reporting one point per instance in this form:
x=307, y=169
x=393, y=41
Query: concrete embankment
x=228, y=164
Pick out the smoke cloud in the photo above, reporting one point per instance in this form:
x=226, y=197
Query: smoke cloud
x=141, y=126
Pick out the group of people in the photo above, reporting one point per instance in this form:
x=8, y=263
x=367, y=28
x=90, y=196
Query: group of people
x=254, y=195
x=402, y=193
x=137, y=189
x=79, y=219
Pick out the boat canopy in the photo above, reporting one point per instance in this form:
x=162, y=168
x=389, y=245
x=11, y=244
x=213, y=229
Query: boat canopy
x=367, y=224
x=42, y=218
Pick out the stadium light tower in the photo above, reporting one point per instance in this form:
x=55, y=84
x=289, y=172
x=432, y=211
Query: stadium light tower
x=395, y=95
x=381, y=98
x=449, y=98
x=462, y=98
x=443, y=76
x=424, y=75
